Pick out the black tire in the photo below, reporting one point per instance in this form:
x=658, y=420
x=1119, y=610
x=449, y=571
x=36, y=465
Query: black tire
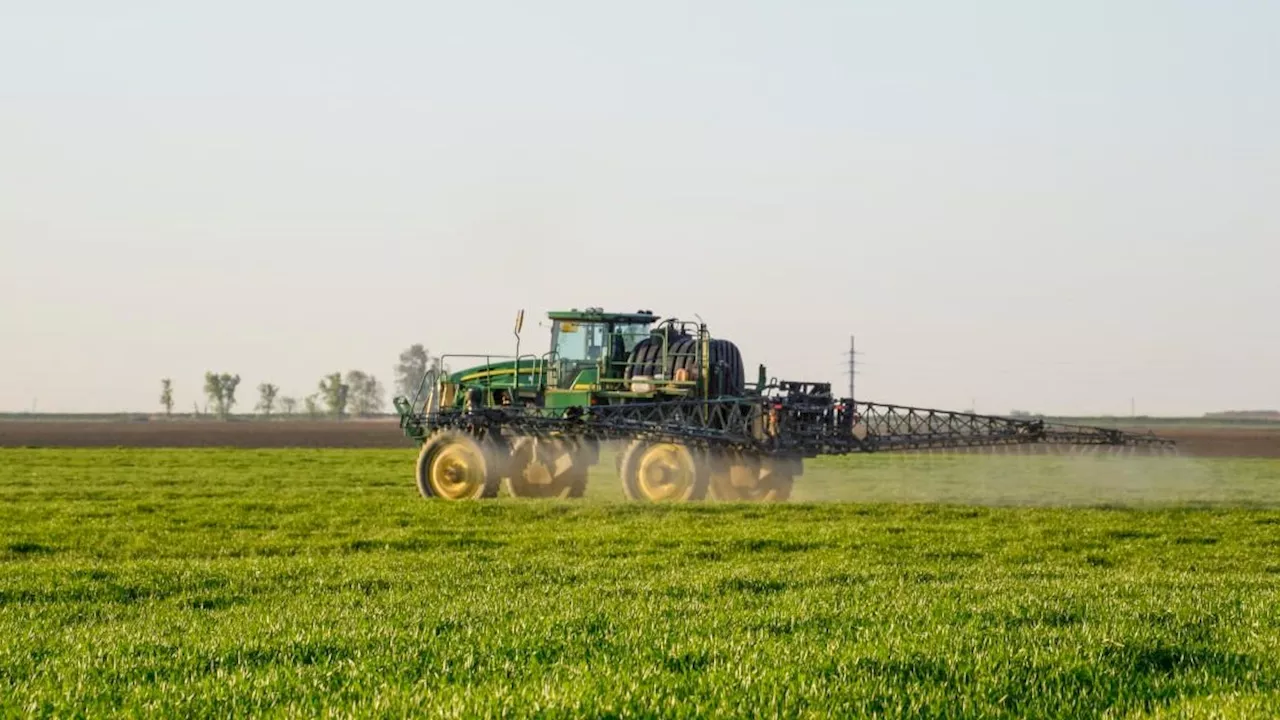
x=745, y=477
x=578, y=487
x=638, y=358
x=727, y=372
x=683, y=357
x=571, y=483
x=484, y=458
x=646, y=357
x=653, y=358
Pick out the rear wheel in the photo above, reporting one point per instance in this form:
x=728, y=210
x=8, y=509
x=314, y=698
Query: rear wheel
x=547, y=468
x=663, y=472
x=746, y=477
x=454, y=465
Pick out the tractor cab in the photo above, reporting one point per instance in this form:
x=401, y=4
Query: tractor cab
x=590, y=346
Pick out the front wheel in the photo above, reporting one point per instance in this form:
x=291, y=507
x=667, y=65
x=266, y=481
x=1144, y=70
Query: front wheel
x=454, y=465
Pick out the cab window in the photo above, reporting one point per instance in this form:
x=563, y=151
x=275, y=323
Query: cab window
x=573, y=340
x=631, y=334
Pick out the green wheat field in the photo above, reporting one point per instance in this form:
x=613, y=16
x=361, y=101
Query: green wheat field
x=227, y=583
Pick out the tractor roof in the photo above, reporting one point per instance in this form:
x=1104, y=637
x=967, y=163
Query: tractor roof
x=599, y=315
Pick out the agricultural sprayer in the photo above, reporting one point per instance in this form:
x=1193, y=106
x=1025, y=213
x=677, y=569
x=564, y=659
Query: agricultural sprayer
x=679, y=402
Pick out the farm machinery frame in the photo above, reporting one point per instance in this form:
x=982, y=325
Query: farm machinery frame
x=678, y=401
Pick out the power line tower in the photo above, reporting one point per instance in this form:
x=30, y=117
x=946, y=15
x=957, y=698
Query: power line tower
x=852, y=372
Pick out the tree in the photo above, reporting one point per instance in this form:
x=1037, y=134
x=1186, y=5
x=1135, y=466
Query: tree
x=221, y=390
x=213, y=390
x=166, y=395
x=289, y=405
x=409, y=371
x=267, y=394
x=229, y=383
x=313, y=407
x=416, y=363
x=335, y=393
x=366, y=393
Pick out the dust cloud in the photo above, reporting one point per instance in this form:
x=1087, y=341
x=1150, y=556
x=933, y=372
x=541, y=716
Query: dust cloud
x=1020, y=477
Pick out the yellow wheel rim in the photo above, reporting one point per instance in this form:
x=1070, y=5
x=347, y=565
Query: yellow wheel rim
x=458, y=472
x=666, y=472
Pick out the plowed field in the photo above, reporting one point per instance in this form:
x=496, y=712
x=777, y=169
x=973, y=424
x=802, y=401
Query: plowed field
x=203, y=433
x=1194, y=441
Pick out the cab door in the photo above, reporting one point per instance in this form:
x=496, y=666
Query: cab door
x=578, y=349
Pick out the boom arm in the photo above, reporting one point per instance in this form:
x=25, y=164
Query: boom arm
x=789, y=418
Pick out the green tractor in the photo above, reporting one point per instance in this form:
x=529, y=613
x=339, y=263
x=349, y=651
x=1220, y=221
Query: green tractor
x=690, y=424
x=595, y=359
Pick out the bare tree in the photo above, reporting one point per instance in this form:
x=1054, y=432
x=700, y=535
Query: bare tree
x=267, y=398
x=289, y=405
x=335, y=392
x=313, y=406
x=166, y=396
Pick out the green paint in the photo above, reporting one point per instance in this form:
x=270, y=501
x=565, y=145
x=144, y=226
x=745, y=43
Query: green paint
x=585, y=360
x=587, y=377
x=566, y=398
x=500, y=374
x=642, y=317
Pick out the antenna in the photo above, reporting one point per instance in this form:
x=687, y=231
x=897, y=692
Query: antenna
x=519, y=325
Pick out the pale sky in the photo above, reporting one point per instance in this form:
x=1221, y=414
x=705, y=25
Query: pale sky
x=1054, y=207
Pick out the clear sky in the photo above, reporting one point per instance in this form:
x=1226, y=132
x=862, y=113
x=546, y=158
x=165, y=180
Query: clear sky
x=1054, y=207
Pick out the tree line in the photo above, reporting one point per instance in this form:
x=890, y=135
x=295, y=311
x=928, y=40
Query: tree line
x=337, y=395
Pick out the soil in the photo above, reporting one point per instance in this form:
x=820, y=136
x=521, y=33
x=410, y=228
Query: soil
x=1224, y=441
x=1192, y=441
x=203, y=433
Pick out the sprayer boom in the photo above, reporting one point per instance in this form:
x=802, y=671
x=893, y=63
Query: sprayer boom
x=680, y=402
x=793, y=422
